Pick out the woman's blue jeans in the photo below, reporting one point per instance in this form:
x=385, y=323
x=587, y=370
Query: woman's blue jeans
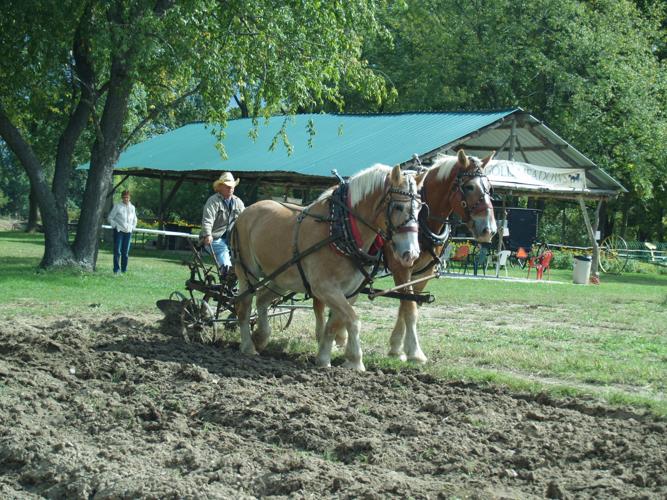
x=121, y=250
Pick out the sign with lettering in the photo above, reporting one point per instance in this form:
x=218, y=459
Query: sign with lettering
x=526, y=175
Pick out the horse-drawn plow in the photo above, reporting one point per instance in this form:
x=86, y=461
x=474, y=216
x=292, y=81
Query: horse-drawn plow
x=207, y=304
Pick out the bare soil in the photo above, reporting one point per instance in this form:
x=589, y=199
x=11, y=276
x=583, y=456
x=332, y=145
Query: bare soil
x=102, y=408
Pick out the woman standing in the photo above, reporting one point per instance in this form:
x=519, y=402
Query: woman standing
x=123, y=220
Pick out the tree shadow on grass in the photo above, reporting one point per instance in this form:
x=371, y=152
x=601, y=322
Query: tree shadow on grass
x=19, y=267
x=635, y=279
x=23, y=238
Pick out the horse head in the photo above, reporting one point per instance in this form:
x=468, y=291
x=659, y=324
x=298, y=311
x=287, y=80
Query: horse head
x=403, y=204
x=471, y=196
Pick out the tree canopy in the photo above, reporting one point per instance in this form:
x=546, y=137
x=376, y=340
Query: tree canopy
x=80, y=79
x=594, y=71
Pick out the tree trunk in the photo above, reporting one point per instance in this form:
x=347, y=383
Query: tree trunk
x=57, y=250
x=33, y=212
x=100, y=175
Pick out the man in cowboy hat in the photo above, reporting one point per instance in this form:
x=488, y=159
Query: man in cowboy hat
x=220, y=213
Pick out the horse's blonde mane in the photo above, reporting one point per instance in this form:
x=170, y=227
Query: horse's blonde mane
x=362, y=183
x=367, y=181
x=443, y=166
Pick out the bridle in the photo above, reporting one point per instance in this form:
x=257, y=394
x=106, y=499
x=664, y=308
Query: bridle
x=458, y=194
x=413, y=197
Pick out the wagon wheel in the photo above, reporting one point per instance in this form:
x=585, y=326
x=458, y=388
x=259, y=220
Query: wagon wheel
x=281, y=315
x=198, y=321
x=614, y=254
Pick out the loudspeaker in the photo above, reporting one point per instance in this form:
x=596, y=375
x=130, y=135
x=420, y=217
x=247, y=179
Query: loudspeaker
x=523, y=228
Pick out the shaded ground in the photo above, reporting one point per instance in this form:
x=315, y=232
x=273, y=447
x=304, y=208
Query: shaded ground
x=117, y=408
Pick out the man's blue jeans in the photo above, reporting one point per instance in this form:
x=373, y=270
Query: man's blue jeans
x=221, y=251
x=121, y=250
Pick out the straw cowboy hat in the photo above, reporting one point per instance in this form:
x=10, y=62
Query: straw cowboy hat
x=227, y=179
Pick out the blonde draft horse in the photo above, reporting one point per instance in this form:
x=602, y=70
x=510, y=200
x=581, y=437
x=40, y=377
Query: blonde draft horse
x=268, y=235
x=453, y=184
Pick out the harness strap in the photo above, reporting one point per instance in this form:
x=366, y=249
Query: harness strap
x=344, y=225
x=297, y=256
x=260, y=283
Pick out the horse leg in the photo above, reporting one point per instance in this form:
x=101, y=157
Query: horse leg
x=342, y=314
x=339, y=327
x=397, y=334
x=396, y=340
x=412, y=348
x=318, y=310
x=325, y=343
x=411, y=315
x=353, y=354
x=243, y=310
x=336, y=326
x=260, y=337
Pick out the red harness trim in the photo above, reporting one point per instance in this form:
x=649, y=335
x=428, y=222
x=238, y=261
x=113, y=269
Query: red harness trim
x=375, y=247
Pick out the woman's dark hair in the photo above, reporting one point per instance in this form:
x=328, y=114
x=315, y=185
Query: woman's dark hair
x=125, y=193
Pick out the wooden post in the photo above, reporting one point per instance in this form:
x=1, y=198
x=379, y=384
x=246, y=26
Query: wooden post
x=591, y=234
x=162, y=242
x=501, y=233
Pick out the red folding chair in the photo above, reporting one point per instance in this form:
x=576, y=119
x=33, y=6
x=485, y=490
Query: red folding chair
x=540, y=263
x=461, y=256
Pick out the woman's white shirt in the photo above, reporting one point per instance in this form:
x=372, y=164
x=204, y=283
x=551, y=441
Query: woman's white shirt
x=123, y=217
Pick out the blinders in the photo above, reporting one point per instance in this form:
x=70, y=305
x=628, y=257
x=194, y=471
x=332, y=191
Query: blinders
x=398, y=198
x=462, y=190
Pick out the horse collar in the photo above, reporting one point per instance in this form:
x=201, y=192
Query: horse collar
x=345, y=229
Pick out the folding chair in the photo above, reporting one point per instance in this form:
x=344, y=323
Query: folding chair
x=444, y=258
x=461, y=256
x=541, y=263
x=503, y=257
x=481, y=258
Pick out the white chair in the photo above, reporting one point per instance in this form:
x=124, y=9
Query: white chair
x=502, y=260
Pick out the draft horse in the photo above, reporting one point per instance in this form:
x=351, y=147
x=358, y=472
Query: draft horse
x=324, y=250
x=452, y=184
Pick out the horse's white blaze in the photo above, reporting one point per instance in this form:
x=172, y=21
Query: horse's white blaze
x=484, y=226
x=406, y=246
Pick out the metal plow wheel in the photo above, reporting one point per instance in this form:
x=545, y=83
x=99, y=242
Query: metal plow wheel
x=198, y=322
x=614, y=254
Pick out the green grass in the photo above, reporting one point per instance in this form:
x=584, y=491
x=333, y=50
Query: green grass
x=151, y=275
x=604, y=341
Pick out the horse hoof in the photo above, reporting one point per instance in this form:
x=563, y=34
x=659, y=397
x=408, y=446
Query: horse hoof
x=359, y=366
x=418, y=359
x=249, y=350
x=324, y=363
x=400, y=355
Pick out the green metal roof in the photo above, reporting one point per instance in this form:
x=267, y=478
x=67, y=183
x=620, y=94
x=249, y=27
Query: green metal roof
x=347, y=143
x=350, y=143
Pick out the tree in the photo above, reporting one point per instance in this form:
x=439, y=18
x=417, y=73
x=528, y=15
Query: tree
x=593, y=71
x=80, y=79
